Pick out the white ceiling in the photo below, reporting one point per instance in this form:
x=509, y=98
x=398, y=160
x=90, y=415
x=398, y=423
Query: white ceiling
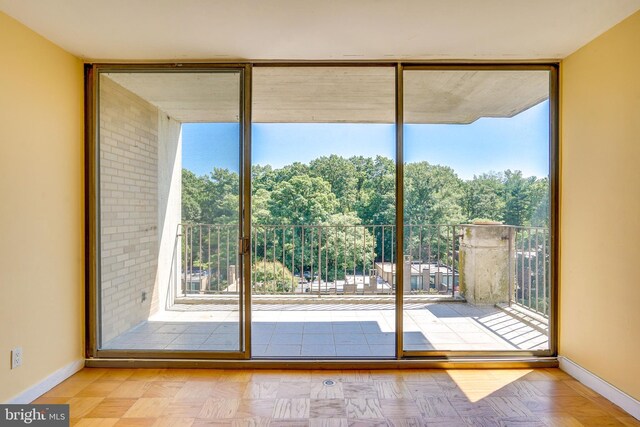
x=129, y=30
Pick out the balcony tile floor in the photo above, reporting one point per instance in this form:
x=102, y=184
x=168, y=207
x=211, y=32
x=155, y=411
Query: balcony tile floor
x=334, y=330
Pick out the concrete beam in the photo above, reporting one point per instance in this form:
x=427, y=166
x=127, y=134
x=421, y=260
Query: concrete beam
x=341, y=94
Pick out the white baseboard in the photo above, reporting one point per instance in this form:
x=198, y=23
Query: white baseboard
x=614, y=394
x=37, y=390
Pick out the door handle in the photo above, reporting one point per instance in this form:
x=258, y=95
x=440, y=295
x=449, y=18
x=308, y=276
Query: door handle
x=244, y=245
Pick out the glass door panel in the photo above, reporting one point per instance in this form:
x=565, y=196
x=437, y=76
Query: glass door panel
x=323, y=150
x=169, y=177
x=476, y=210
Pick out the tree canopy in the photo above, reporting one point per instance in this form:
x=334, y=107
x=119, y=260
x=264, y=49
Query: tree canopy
x=329, y=212
x=364, y=188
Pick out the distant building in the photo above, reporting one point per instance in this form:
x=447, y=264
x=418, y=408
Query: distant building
x=423, y=276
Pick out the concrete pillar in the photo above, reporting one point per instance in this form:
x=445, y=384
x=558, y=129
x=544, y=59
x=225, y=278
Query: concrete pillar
x=486, y=267
x=203, y=283
x=373, y=280
x=438, y=280
x=169, y=184
x=406, y=265
x=426, y=278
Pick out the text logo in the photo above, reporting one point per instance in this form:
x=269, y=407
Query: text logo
x=34, y=415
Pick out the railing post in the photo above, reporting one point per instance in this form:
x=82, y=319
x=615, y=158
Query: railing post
x=511, y=255
x=453, y=261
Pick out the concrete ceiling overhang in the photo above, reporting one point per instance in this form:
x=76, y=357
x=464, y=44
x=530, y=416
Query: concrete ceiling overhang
x=201, y=30
x=340, y=94
x=187, y=97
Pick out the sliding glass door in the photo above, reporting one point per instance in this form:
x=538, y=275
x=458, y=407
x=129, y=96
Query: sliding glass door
x=323, y=226
x=322, y=211
x=477, y=217
x=169, y=151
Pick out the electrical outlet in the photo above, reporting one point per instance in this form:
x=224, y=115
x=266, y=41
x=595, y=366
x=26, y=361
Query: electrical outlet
x=16, y=357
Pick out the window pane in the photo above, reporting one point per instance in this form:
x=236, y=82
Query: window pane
x=168, y=218
x=476, y=207
x=323, y=211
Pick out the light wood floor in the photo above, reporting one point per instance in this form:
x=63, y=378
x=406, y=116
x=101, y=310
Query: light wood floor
x=196, y=397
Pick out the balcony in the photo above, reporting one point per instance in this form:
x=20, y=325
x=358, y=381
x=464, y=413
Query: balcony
x=330, y=291
x=310, y=262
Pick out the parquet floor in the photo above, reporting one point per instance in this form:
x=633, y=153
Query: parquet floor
x=198, y=397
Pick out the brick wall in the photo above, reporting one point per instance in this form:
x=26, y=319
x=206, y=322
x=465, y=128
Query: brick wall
x=129, y=207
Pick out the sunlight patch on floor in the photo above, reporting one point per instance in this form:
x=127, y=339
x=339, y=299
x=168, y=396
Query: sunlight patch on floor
x=478, y=384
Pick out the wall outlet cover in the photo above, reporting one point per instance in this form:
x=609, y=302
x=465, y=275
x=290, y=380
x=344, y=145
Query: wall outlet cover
x=16, y=357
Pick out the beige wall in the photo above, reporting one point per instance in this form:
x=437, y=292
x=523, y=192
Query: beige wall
x=41, y=207
x=600, y=202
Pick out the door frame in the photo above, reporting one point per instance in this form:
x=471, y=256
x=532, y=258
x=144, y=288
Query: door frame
x=554, y=182
x=93, y=210
x=440, y=358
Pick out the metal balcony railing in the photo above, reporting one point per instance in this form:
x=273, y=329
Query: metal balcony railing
x=351, y=260
x=531, y=282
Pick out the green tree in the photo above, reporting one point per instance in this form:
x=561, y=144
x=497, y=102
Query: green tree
x=484, y=197
x=193, y=195
x=271, y=277
x=340, y=173
x=263, y=177
x=287, y=172
x=377, y=201
x=433, y=194
x=522, y=197
x=347, y=246
x=221, y=204
x=541, y=213
x=260, y=203
x=302, y=200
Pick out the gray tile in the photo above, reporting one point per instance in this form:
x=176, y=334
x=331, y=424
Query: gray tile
x=147, y=327
x=353, y=350
x=350, y=338
x=182, y=347
x=156, y=338
x=283, y=350
x=318, y=350
x=381, y=339
x=260, y=338
x=415, y=338
x=282, y=338
x=201, y=329
x=192, y=339
x=116, y=346
x=220, y=347
x=262, y=328
x=227, y=327
x=418, y=347
x=346, y=327
x=171, y=329
x=222, y=339
x=258, y=349
x=152, y=346
x=370, y=327
x=289, y=328
x=317, y=339
x=382, y=350
x=318, y=328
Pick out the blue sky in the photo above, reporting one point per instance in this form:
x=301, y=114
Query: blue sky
x=488, y=144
